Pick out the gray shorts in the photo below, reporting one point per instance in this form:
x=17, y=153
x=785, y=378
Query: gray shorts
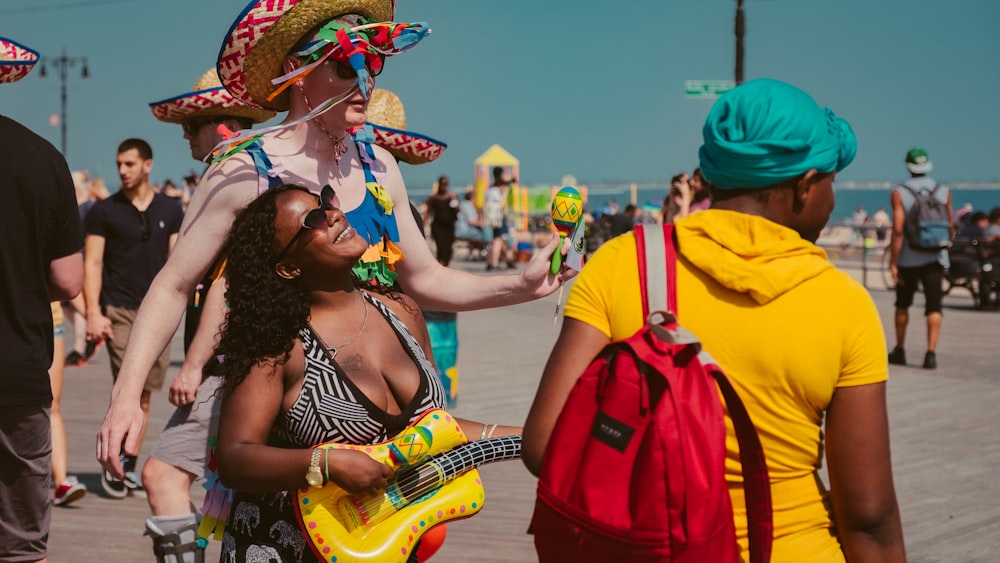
x=184, y=441
x=25, y=482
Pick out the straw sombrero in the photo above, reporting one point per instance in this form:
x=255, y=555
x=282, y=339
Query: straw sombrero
x=16, y=60
x=264, y=33
x=388, y=120
x=206, y=99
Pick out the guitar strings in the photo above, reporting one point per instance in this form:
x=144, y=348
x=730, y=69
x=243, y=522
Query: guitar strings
x=443, y=464
x=495, y=449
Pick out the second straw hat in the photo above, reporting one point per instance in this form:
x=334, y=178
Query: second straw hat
x=386, y=115
x=207, y=98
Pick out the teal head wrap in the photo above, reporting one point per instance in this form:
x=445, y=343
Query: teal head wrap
x=766, y=131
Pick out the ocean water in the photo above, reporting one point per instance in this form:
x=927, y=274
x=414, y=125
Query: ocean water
x=871, y=200
x=848, y=199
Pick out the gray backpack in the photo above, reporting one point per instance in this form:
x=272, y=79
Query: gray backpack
x=927, y=226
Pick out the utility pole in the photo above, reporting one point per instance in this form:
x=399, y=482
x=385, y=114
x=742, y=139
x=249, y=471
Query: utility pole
x=63, y=63
x=741, y=28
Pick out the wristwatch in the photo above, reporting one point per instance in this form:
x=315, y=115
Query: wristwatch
x=315, y=476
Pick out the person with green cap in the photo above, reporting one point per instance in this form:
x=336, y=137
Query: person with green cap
x=910, y=265
x=800, y=341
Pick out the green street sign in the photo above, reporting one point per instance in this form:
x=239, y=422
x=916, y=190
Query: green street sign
x=707, y=88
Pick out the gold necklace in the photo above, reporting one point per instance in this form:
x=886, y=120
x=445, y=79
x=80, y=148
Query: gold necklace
x=364, y=323
x=339, y=148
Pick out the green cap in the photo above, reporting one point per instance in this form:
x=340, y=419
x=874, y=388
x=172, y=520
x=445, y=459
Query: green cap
x=918, y=162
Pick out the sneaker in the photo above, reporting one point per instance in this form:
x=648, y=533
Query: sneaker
x=75, y=358
x=92, y=348
x=70, y=491
x=133, y=484
x=114, y=488
x=930, y=360
x=897, y=356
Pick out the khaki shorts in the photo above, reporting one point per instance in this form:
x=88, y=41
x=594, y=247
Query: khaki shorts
x=25, y=482
x=121, y=326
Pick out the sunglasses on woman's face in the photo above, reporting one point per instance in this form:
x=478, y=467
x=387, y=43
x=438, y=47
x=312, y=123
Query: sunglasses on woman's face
x=315, y=219
x=346, y=72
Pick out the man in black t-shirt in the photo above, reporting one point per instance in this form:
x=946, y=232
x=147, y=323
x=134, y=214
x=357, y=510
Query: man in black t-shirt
x=40, y=261
x=129, y=236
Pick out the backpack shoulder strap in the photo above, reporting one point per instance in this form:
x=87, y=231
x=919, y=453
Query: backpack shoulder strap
x=756, y=480
x=658, y=278
x=908, y=188
x=657, y=268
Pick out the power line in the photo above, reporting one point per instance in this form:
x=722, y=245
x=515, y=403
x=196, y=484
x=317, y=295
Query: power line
x=78, y=4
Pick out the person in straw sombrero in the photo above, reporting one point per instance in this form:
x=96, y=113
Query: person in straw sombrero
x=41, y=260
x=315, y=59
x=202, y=110
x=208, y=115
x=173, y=464
x=388, y=120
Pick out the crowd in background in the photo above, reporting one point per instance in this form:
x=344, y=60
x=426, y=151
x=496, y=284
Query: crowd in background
x=91, y=188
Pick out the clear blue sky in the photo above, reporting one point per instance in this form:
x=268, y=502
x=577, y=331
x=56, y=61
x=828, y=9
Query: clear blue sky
x=592, y=89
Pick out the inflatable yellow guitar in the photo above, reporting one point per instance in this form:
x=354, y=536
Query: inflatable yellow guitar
x=435, y=481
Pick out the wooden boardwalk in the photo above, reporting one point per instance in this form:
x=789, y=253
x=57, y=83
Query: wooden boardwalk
x=945, y=440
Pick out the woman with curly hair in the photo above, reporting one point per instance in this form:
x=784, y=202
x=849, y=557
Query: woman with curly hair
x=311, y=355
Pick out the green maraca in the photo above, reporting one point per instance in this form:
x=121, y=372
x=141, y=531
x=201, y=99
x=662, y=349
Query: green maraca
x=567, y=210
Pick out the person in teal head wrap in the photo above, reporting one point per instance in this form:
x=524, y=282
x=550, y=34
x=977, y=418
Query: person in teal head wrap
x=766, y=136
x=766, y=131
x=769, y=307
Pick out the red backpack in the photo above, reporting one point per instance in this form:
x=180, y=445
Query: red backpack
x=634, y=470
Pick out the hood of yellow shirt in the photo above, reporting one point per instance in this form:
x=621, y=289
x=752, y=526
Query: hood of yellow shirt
x=749, y=254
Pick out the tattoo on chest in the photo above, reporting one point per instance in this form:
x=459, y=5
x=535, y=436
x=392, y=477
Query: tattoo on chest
x=352, y=362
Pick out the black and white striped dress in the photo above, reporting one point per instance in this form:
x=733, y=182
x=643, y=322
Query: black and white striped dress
x=329, y=408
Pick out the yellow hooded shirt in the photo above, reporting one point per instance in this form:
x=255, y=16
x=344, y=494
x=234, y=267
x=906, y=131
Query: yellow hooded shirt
x=788, y=329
